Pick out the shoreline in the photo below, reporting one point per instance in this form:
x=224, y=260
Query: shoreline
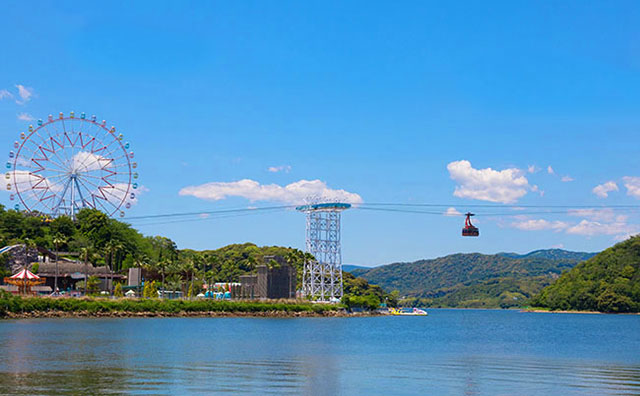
x=16, y=307
x=539, y=310
x=185, y=314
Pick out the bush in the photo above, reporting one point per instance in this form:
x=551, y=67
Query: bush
x=369, y=302
x=15, y=304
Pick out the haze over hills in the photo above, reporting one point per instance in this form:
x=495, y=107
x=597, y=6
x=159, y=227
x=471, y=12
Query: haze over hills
x=473, y=279
x=351, y=267
x=555, y=254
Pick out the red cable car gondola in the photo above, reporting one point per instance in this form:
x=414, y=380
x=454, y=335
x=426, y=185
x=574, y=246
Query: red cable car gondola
x=469, y=229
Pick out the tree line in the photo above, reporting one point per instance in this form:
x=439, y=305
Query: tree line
x=96, y=239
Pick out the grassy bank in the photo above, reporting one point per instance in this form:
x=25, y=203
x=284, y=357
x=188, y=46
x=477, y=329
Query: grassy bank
x=14, y=306
x=549, y=310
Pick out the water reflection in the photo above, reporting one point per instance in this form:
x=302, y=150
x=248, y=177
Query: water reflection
x=442, y=355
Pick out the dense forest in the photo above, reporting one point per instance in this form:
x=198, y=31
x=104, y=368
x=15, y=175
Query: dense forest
x=473, y=280
x=100, y=240
x=608, y=282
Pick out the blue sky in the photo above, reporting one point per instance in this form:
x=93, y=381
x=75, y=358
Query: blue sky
x=505, y=103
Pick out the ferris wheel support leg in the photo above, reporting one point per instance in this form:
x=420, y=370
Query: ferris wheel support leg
x=73, y=197
x=64, y=191
x=79, y=192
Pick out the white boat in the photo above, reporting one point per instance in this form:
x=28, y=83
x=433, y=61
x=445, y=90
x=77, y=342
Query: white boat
x=407, y=312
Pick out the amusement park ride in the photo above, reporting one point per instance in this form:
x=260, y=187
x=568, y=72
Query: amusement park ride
x=68, y=163
x=469, y=229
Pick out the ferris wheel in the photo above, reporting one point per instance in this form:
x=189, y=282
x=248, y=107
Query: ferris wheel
x=68, y=163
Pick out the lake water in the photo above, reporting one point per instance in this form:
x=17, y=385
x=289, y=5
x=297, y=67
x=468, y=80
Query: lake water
x=450, y=352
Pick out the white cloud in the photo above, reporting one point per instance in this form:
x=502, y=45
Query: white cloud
x=558, y=246
x=595, y=222
x=505, y=186
x=26, y=180
x=633, y=186
x=25, y=94
x=606, y=215
x=624, y=236
x=293, y=193
x=85, y=161
x=550, y=170
x=281, y=168
x=540, y=224
x=532, y=169
x=117, y=193
x=25, y=117
x=4, y=94
x=566, y=179
x=603, y=190
x=452, y=212
x=593, y=228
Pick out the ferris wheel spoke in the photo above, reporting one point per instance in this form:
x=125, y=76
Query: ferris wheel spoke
x=49, y=155
x=42, y=152
x=71, y=142
x=62, y=151
x=35, y=167
x=50, y=140
x=43, y=166
x=106, y=195
x=81, y=131
x=107, y=210
x=104, y=188
x=113, y=161
x=101, y=199
x=94, y=156
x=35, y=197
x=101, y=177
x=97, y=160
x=75, y=151
x=101, y=157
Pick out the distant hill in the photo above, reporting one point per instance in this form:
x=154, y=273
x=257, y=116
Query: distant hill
x=473, y=280
x=608, y=282
x=350, y=267
x=554, y=254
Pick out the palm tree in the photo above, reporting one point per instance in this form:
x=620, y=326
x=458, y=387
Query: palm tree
x=200, y=264
x=188, y=267
x=28, y=245
x=139, y=261
x=163, y=265
x=110, y=248
x=58, y=240
x=86, y=253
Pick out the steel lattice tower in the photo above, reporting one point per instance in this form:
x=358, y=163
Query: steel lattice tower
x=322, y=277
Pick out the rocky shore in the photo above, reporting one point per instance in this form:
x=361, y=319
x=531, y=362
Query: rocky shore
x=185, y=314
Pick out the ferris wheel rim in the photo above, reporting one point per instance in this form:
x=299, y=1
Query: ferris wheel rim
x=116, y=204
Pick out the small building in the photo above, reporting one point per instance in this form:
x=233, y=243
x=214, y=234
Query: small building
x=277, y=281
x=135, y=277
x=71, y=272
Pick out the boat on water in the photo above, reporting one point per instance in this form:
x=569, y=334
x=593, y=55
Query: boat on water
x=407, y=312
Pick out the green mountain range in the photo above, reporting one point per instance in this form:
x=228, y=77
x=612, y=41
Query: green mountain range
x=608, y=282
x=473, y=280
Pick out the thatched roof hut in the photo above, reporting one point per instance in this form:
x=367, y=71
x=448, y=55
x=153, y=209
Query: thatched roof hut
x=68, y=267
